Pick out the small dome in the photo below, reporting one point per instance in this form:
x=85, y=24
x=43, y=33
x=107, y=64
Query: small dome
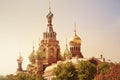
x=39, y=54
x=32, y=56
x=20, y=59
x=67, y=53
x=50, y=15
x=75, y=39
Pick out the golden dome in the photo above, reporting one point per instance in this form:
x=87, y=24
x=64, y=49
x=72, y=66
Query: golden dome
x=75, y=39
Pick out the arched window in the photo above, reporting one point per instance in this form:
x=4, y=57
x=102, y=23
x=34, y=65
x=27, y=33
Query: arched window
x=51, y=52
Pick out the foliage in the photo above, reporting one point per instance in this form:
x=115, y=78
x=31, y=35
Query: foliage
x=2, y=77
x=65, y=71
x=113, y=73
x=86, y=70
x=22, y=76
x=103, y=67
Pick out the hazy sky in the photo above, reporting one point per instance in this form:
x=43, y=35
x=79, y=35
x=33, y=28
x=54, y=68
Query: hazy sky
x=24, y=21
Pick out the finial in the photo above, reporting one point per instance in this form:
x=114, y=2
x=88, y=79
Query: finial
x=75, y=27
x=49, y=5
x=33, y=46
x=66, y=43
x=19, y=53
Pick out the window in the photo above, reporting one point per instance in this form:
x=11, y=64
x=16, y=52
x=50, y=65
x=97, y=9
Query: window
x=51, y=52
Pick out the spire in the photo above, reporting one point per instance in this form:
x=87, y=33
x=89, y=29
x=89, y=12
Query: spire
x=66, y=43
x=49, y=14
x=33, y=46
x=49, y=18
x=19, y=53
x=49, y=5
x=75, y=27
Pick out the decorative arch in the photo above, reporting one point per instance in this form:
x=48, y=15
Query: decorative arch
x=51, y=52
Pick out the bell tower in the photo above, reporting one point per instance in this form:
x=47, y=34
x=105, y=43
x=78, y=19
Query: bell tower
x=49, y=45
x=19, y=61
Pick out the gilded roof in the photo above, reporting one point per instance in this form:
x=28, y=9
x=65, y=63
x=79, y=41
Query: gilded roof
x=75, y=39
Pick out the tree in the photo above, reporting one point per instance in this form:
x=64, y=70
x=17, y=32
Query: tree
x=39, y=77
x=110, y=73
x=86, y=70
x=65, y=71
x=103, y=67
x=22, y=76
x=2, y=77
x=11, y=77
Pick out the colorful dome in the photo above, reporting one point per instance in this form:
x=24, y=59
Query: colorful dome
x=32, y=56
x=39, y=54
x=49, y=15
x=67, y=53
x=75, y=39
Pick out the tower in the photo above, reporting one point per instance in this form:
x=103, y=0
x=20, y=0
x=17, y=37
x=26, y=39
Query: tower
x=49, y=47
x=75, y=45
x=19, y=61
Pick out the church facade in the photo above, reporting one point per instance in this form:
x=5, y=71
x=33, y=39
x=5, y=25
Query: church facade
x=49, y=50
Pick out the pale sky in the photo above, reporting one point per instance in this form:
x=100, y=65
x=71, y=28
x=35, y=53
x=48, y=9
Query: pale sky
x=24, y=21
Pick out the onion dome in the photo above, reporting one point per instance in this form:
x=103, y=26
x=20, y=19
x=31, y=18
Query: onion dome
x=39, y=54
x=67, y=54
x=49, y=15
x=75, y=38
x=32, y=56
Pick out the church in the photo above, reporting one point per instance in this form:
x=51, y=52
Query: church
x=48, y=55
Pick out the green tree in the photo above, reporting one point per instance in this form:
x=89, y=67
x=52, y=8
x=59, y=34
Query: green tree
x=22, y=76
x=65, y=71
x=39, y=77
x=86, y=70
x=103, y=67
x=11, y=77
